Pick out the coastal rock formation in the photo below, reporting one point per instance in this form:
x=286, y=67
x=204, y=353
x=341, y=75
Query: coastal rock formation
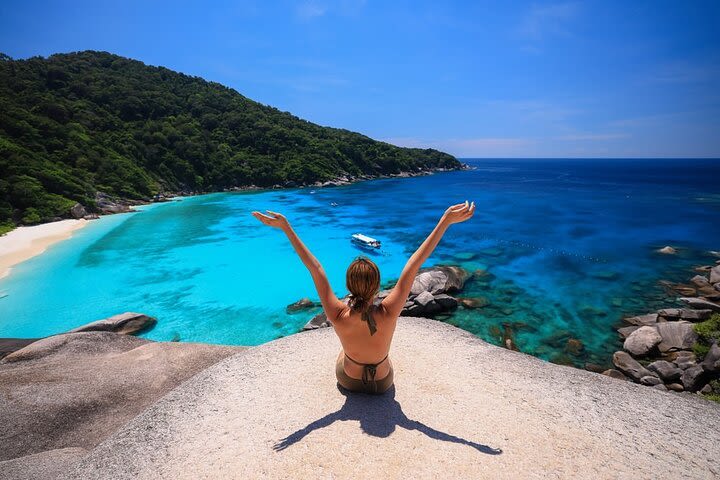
x=302, y=304
x=73, y=390
x=629, y=366
x=439, y=279
x=672, y=358
x=128, y=323
x=676, y=335
x=108, y=204
x=642, y=341
x=668, y=250
x=428, y=295
x=78, y=211
x=275, y=412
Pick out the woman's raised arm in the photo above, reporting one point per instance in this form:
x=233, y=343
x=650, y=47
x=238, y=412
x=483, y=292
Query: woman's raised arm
x=395, y=301
x=331, y=304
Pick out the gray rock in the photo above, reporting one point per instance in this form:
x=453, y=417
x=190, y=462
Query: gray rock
x=715, y=274
x=692, y=378
x=424, y=298
x=474, y=302
x=642, y=320
x=676, y=387
x=660, y=387
x=672, y=313
x=612, y=373
x=318, y=321
x=383, y=293
x=711, y=363
x=76, y=389
x=700, y=304
x=700, y=281
x=650, y=380
x=706, y=389
x=78, y=211
x=629, y=366
x=676, y=335
x=439, y=279
x=685, y=360
x=695, y=315
x=302, y=304
x=626, y=331
x=667, y=371
x=668, y=250
x=642, y=341
x=446, y=301
x=127, y=323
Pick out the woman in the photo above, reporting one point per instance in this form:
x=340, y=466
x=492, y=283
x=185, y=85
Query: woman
x=365, y=330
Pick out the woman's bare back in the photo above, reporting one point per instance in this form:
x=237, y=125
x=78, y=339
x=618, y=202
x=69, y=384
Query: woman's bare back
x=358, y=344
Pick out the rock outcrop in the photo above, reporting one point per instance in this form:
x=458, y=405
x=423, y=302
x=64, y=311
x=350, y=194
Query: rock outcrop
x=74, y=390
x=275, y=412
x=128, y=323
x=429, y=295
x=664, y=340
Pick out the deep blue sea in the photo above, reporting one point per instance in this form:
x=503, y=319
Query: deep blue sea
x=568, y=244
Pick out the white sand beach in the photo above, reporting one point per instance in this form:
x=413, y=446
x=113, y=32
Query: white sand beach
x=26, y=242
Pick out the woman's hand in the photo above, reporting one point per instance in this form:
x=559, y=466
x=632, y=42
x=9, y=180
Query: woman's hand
x=458, y=213
x=274, y=219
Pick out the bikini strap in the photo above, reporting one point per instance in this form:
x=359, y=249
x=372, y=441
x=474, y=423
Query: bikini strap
x=369, y=370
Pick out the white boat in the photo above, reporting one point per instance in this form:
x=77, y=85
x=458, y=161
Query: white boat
x=364, y=241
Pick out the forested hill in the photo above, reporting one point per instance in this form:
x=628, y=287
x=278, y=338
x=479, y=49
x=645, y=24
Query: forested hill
x=75, y=124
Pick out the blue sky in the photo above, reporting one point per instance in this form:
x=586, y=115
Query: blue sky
x=476, y=79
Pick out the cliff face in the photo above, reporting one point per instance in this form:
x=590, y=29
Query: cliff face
x=461, y=408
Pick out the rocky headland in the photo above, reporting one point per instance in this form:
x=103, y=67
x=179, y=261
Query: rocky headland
x=676, y=349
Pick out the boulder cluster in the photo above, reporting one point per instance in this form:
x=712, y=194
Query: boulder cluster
x=429, y=295
x=660, y=348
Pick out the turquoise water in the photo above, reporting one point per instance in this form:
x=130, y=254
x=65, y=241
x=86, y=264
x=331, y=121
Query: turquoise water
x=569, y=246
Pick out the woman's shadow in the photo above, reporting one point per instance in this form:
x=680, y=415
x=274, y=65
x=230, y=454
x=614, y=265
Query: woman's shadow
x=378, y=416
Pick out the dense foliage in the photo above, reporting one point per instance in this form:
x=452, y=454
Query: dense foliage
x=74, y=124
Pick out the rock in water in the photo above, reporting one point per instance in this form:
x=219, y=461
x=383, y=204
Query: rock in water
x=667, y=250
x=629, y=366
x=642, y=341
x=446, y=301
x=626, y=331
x=128, y=323
x=700, y=304
x=439, y=279
x=318, y=321
x=715, y=274
x=302, y=304
x=676, y=335
x=640, y=320
x=474, y=302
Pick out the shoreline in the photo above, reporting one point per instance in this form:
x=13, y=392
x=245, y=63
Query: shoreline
x=26, y=242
